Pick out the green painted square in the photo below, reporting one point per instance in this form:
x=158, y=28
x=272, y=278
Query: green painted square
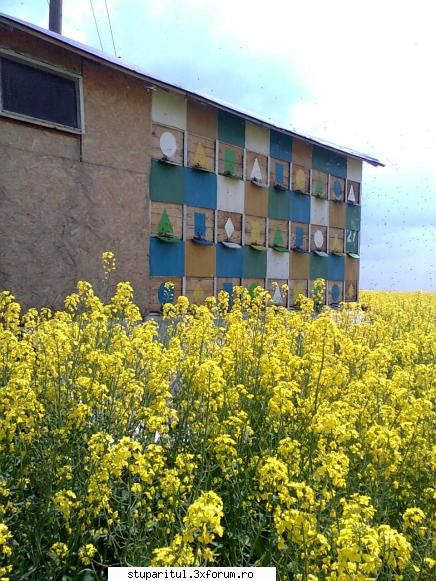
x=318, y=267
x=167, y=183
x=254, y=263
x=230, y=161
x=353, y=217
x=279, y=204
x=231, y=129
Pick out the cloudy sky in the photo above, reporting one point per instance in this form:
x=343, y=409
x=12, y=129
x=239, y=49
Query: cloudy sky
x=356, y=73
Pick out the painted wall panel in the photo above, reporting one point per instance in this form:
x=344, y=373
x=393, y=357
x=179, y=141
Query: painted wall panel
x=278, y=234
x=256, y=167
x=351, y=268
x=277, y=264
x=300, y=208
x=354, y=169
x=166, y=219
x=351, y=290
x=302, y=153
x=200, y=223
x=318, y=237
x=353, y=217
x=296, y=288
x=329, y=162
x=231, y=195
x=160, y=295
x=319, y=212
x=230, y=160
x=229, y=261
x=256, y=200
x=279, y=295
x=169, y=109
x=199, y=260
x=201, y=152
x=336, y=240
x=202, y=119
x=200, y=188
x=300, y=236
x=336, y=267
x=254, y=263
x=279, y=204
x=353, y=192
x=299, y=266
x=335, y=291
x=167, y=143
x=337, y=189
x=318, y=267
x=167, y=183
x=255, y=230
x=279, y=173
x=166, y=259
x=229, y=226
x=257, y=138
x=198, y=289
x=319, y=184
x=300, y=179
x=337, y=214
x=352, y=241
x=231, y=128
x=280, y=145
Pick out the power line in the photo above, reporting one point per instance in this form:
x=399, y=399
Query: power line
x=96, y=25
x=110, y=27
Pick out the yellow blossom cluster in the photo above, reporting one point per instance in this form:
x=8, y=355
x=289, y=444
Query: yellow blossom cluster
x=220, y=435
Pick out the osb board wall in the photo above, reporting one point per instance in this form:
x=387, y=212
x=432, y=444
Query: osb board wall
x=156, y=293
x=174, y=213
x=236, y=221
x=167, y=143
x=198, y=289
x=117, y=117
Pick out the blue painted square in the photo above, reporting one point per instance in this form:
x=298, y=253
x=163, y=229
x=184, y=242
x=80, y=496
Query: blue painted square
x=199, y=225
x=300, y=208
x=336, y=267
x=200, y=188
x=280, y=146
x=166, y=259
x=329, y=162
x=229, y=262
x=231, y=128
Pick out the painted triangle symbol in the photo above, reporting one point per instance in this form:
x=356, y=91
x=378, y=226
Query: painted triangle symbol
x=256, y=174
x=165, y=226
x=277, y=296
x=351, y=196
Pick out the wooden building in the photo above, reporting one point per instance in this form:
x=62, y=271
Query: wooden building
x=96, y=155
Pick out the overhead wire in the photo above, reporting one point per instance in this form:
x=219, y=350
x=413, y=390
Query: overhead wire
x=110, y=27
x=96, y=25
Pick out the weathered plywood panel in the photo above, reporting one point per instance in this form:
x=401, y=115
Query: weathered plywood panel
x=279, y=173
x=231, y=195
x=117, y=116
x=337, y=189
x=278, y=234
x=353, y=192
x=160, y=293
x=169, y=109
x=319, y=184
x=336, y=267
x=296, y=288
x=351, y=290
x=351, y=268
x=199, y=289
x=318, y=267
x=201, y=152
x=354, y=169
x=279, y=204
x=255, y=230
x=166, y=219
x=300, y=179
x=199, y=260
x=167, y=143
x=257, y=138
x=336, y=240
x=300, y=235
x=318, y=237
x=299, y=266
x=229, y=227
x=335, y=291
x=337, y=215
x=200, y=223
x=256, y=167
x=256, y=200
x=202, y=119
x=230, y=160
x=300, y=207
x=302, y=153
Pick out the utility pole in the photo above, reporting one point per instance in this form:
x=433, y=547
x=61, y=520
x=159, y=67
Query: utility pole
x=55, y=16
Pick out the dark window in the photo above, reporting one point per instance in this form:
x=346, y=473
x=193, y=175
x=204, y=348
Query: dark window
x=37, y=93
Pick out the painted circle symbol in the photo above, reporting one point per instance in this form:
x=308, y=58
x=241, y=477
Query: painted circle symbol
x=318, y=239
x=168, y=144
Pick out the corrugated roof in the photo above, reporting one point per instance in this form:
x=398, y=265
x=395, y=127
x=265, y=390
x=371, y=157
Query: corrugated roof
x=117, y=63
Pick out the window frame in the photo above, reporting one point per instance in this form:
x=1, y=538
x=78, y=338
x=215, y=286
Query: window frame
x=56, y=70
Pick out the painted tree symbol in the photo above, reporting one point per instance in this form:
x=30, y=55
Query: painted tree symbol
x=165, y=228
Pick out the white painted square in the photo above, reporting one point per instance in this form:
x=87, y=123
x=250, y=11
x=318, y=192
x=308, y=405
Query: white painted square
x=169, y=109
x=257, y=138
x=231, y=195
x=319, y=212
x=277, y=264
x=354, y=169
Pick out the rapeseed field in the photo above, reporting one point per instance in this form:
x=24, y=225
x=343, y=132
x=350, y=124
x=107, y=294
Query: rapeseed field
x=239, y=436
